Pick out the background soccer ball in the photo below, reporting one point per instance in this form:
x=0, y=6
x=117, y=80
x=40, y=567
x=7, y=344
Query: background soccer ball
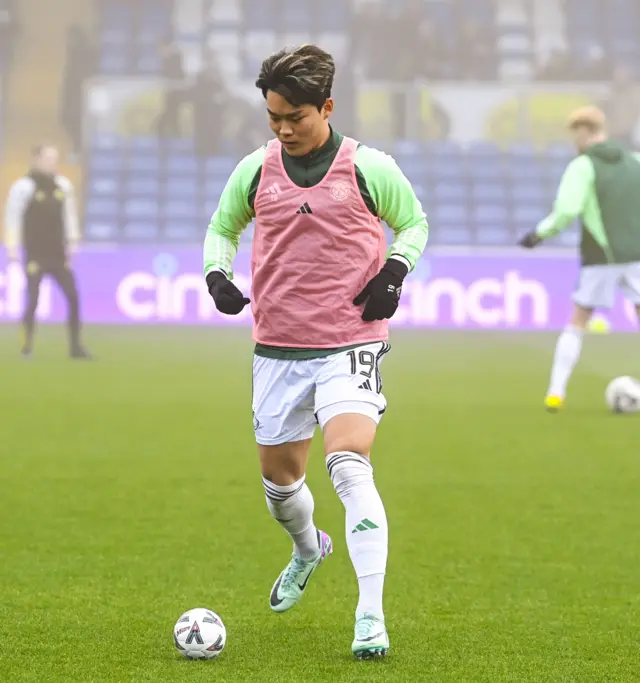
x=200, y=634
x=623, y=395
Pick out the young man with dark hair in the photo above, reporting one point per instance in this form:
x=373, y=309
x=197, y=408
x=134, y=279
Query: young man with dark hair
x=601, y=187
x=41, y=217
x=323, y=288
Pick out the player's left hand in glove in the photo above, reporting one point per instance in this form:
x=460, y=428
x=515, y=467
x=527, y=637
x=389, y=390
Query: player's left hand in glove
x=227, y=297
x=530, y=240
x=382, y=292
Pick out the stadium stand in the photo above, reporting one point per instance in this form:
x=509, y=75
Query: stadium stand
x=141, y=188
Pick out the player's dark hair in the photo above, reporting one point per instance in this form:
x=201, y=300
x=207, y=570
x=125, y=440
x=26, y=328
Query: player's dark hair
x=302, y=75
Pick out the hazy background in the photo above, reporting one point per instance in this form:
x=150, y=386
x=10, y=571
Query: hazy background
x=153, y=103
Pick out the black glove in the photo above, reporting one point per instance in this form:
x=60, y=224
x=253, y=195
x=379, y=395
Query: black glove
x=530, y=240
x=228, y=298
x=382, y=292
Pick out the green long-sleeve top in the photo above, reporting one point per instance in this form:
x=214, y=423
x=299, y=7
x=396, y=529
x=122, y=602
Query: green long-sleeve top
x=385, y=190
x=601, y=188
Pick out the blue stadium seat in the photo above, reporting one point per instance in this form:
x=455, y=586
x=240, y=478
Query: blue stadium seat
x=177, y=188
x=141, y=208
x=207, y=209
x=451, y=214
x=144, y=163
x=148, y=187
x=446, y=234
x=141, y=231
x=104, y=186
x=182, y=165
x=450, y=193
x=560, y=152
x=104, y=209
x=554, y=170
x=528, y=215
x=423, y=193
x=106, y=141
x=407, y=148
x=487, y=235
x=144, y=143
x=180, y=210
x=220, y=167
x=522, y=150
x=105, y=162
x=526, y=171
x=213, y=189
x=101, y=231
x=525, y=219
x=484, y=150
x=445, y=169
x=490, y=169
x=182, y=232
x=114, y=62
x=443, y=148
x=528, y=194
x=413, y=167
x=489, y=193
x=490, y=215
x=180, y=145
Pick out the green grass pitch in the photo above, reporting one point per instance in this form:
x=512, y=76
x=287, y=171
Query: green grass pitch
x=130, y=492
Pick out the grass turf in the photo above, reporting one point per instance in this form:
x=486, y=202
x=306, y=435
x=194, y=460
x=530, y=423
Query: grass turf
x=130, y=493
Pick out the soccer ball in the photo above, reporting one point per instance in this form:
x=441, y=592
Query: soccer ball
x=200, y=634
x=623, y=395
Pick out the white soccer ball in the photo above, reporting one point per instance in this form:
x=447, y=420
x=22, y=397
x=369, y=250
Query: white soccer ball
x=623, y=395
x=200, y=634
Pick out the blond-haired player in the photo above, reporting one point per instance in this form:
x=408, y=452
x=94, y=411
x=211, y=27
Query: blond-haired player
x=601, y=187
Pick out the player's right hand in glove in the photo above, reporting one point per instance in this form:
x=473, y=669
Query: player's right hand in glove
x=227, y=297
x=382, y=292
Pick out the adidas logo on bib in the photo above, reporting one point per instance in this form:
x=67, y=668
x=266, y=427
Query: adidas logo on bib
x=305, y=208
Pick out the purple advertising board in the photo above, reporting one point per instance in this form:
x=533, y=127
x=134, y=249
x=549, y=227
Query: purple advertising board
x=146, y=285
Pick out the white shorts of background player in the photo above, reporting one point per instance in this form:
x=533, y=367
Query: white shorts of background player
x=598, y=285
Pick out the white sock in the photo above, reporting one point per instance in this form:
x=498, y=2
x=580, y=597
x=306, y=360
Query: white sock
x=366, y=526
x=292, y=506
x=568, y=351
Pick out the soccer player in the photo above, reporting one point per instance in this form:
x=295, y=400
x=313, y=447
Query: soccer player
x=41, y=217
x=323, y=288
x=601, y=186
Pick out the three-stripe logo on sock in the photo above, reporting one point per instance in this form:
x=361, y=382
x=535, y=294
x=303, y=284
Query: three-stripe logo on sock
x=364, y=525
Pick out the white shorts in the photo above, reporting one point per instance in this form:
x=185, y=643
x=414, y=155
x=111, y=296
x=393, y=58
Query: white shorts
x=598, y=285
x=291, y=396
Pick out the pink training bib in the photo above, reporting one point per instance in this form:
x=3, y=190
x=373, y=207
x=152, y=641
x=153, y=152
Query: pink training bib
x=314, y=249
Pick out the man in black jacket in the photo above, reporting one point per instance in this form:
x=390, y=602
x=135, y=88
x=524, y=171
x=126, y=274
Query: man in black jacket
x=41, y=217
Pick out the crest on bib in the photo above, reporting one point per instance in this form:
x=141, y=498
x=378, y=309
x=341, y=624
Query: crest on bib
x=340, y=190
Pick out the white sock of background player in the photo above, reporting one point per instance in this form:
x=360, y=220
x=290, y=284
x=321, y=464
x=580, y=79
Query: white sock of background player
x=568, y=349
